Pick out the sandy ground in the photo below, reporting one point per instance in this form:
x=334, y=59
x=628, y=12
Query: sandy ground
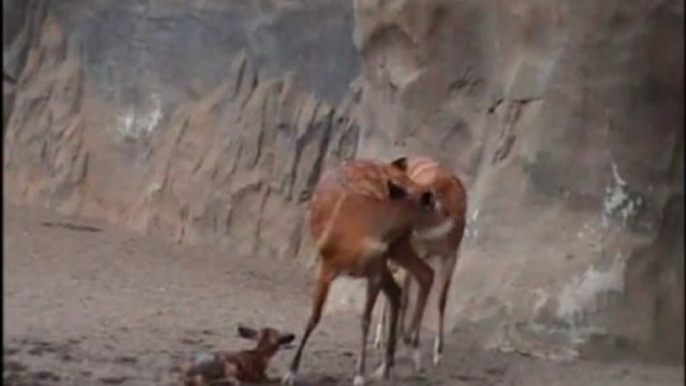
x=104, y=306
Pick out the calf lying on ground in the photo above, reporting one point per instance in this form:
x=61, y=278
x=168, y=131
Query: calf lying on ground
x=231, y=368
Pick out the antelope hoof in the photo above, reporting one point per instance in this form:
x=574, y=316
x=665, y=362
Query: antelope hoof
x=378, y=341
x=288, y=379
x=408, y=338
x=438, y=348
x=358, y=380
x=417, y=359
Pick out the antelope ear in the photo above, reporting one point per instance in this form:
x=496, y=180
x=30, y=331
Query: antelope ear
x=286, y=339
x=428, y=201
x=400, y=163
x=247, y=332
x=396, y=192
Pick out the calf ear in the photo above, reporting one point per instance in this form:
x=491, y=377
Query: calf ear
x=286, y=339
x=247, y=332
x=400, y=163
x=396, y=192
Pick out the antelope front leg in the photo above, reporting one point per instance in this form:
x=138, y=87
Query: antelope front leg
x=373, y=288
x=381, y=325
x=403, y=253
x=324, y=279
x=405, y=288
x=392, y=292
x=447, y=269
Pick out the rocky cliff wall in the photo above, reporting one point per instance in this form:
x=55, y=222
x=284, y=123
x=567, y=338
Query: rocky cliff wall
x=566, y=120
x=155, y=115
x=209, y=122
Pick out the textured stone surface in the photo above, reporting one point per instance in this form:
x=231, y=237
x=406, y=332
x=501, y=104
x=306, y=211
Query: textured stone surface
x=209, y=122
x=174, y=131
x=566, y=120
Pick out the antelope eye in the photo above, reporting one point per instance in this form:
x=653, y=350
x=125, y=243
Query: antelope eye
x=427, y=201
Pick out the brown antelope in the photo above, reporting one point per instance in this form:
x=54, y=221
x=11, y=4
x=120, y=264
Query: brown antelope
x=242, y=366
x=442, y=241
x=357, y=212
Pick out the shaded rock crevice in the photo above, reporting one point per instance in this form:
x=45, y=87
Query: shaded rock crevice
x=561, y=120
x=230, y=164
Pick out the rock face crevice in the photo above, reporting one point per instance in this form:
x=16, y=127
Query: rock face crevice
x=565, y=119
x=210, y=122
x=229, y=164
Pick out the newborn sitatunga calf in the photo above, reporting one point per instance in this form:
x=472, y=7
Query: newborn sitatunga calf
x=231, y=368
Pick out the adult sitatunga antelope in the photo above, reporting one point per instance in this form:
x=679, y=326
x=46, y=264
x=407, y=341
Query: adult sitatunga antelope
x=357, y=212
x=442, y=241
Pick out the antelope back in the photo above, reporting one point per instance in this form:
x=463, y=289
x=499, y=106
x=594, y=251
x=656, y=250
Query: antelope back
x=365, y=199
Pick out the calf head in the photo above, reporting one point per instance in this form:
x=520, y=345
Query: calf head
x=269, y=340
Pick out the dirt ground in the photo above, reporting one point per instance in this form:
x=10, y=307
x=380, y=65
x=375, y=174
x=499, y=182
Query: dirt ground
x=96, y=305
